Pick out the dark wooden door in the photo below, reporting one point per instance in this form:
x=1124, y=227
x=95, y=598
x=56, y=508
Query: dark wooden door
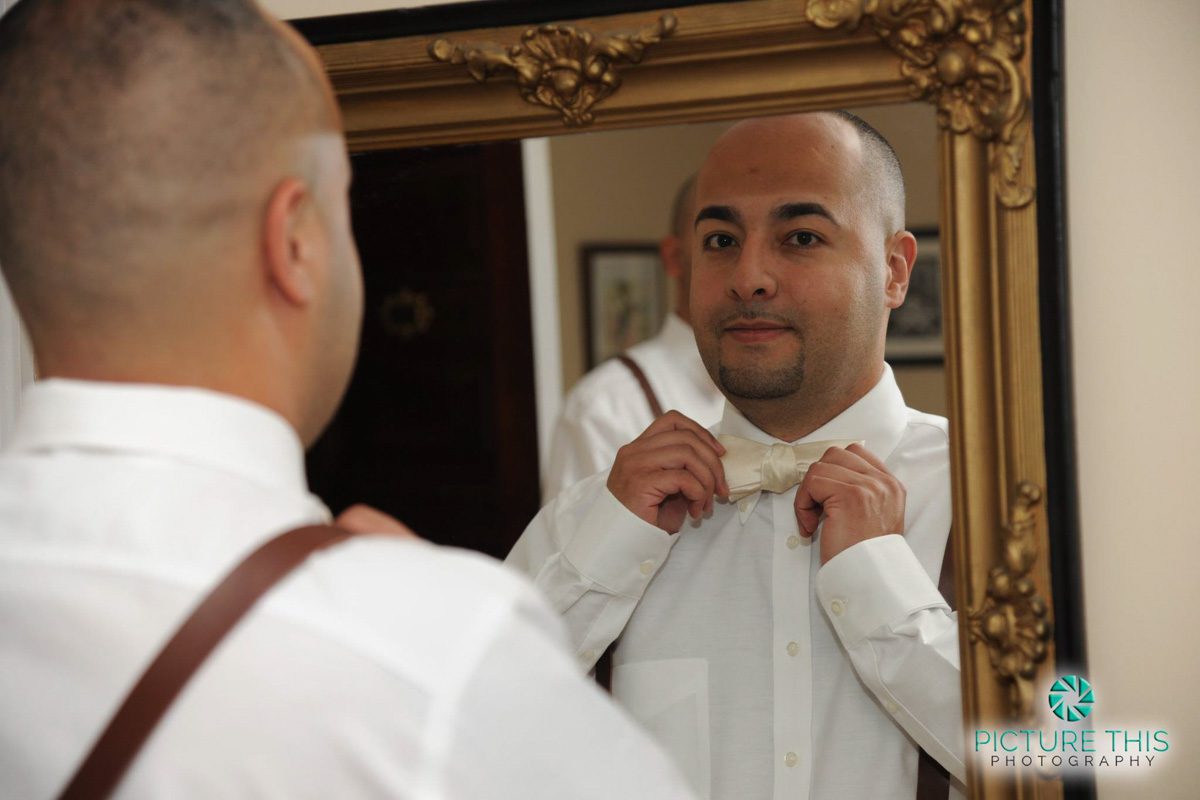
x=438, y=425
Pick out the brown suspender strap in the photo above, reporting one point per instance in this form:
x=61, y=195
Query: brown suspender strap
x=604, y=663
x=651, y=398
x=933, y=780
x=187, y=650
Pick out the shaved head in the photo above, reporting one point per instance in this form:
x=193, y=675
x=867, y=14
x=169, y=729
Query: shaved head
x=138, y=139
x=882, y=171
x=174, y=201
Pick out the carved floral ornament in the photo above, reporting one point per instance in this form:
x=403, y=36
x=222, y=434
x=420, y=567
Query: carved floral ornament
x=559, y=66
x=1013, y=621
x=963, y=56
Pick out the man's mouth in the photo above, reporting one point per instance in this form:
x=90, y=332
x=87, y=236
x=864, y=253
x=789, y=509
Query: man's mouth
x=752, y=331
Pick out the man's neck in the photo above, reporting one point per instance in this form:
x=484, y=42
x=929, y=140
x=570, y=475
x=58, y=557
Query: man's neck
x=797, y=415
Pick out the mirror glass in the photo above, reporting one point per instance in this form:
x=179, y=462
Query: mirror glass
x=453, y=390
x=498, y=274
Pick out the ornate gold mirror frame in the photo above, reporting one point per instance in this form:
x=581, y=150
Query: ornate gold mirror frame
x=969, y=57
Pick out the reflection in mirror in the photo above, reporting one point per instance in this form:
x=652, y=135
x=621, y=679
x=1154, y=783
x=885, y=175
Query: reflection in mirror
x=442, y=234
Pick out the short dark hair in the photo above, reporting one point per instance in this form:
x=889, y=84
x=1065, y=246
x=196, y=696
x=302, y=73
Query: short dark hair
x=126, y=127
x=882, y=157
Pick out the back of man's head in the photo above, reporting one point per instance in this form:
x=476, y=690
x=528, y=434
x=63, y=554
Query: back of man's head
x=139, y=142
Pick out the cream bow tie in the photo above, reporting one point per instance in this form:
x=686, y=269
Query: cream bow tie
x=752, y=467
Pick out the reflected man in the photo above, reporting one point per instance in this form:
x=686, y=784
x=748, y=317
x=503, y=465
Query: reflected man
x=772, y=588
x=610, y=405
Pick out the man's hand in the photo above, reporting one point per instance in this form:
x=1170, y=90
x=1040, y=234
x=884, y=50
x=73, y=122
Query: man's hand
x=360, y=518
x=857, y=496
x=673, y=469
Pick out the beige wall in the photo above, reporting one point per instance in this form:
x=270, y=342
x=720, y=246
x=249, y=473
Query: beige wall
x=1133, y=193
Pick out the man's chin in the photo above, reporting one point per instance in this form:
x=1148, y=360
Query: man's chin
x=760, y=382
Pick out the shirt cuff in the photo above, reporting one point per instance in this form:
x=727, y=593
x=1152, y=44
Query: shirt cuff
x=617, y=549
x=874, y=583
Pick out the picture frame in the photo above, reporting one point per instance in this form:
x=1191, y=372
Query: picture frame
x=915, y=329
x=624, y=297
x=478, y=72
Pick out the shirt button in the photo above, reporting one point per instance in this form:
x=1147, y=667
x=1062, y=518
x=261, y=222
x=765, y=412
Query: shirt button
x=837, y=607
x=891, y=707
x=793, y=542
x=793, y=648
x=647, y=567
x=587, y=655
x=790, y=759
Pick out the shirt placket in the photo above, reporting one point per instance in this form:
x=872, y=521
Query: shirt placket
x=792, y=656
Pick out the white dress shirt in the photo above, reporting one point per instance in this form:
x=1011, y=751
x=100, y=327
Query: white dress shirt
x=763, y=672
x=607, y=408
x=380, y=668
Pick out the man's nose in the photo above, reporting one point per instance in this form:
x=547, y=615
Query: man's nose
x=753, y=276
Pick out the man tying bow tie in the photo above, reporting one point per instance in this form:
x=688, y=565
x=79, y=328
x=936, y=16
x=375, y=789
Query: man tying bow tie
x=771, y=588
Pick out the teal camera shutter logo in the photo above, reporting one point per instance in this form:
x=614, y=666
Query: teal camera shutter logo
x=1071, y=698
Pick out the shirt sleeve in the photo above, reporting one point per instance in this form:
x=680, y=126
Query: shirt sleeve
x=578, y=449
x=592, y=559
x=529, y=725
x=902, y=639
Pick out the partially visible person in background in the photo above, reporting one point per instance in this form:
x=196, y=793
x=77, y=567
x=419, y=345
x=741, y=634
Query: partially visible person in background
x=174, y=226
x=612, y=405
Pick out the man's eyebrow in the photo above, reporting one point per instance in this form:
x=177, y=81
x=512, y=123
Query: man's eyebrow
x=722, y=213
x=792, y=210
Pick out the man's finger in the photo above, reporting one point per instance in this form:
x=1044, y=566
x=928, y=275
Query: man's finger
x=814, y=490
x=361, y=518
x=674, y=421
x=680, y=481
x=868, y=456
x=704, y=453
x=679, y=456
x=850, y=459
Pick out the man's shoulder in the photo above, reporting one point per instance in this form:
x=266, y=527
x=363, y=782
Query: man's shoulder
x=417, y=608
x=606, y=387
x=925, y=440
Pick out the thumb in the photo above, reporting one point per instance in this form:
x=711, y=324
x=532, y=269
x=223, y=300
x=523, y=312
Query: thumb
x=361, y=518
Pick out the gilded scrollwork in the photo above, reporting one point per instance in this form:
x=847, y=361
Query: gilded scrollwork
x=1013, y=622
x=562, y=67
x=964, y=56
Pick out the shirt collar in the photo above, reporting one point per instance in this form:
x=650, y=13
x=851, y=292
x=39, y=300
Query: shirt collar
x=878, y=418
x=181, y=423
x=679, y=339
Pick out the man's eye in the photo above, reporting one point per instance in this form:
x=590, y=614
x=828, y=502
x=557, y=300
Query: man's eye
x=803, y=238
x=719, y=241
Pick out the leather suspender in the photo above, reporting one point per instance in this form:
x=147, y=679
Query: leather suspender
x=651, y=398
x=187, y=650
x=933, y=780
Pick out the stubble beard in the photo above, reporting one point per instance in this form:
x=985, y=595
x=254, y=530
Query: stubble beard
x=758, y=383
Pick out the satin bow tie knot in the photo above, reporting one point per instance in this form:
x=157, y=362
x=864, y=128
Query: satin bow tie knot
x=752, y=467
x=780, y=469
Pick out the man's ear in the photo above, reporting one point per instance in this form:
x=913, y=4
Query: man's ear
x=901, y=255
x=670, y=249
x=289, y=238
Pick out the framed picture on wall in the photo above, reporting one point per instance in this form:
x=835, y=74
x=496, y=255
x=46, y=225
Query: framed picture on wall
x=914, y=334
x=624, y=297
